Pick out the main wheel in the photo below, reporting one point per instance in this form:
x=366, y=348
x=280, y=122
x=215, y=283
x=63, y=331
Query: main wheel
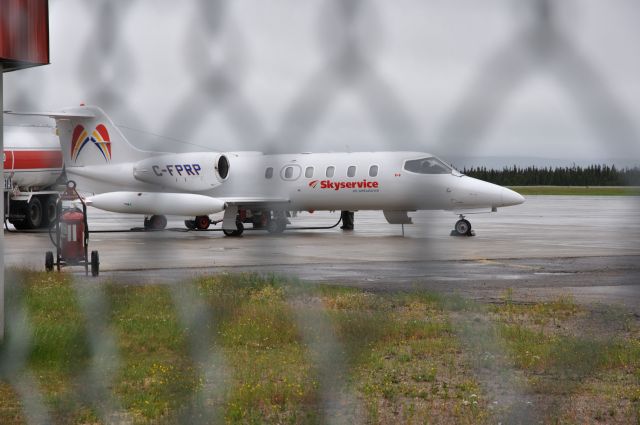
x=276, y=226
x=155, y=222
x=260, y=221
x=203, y=222
x=95, y=263
x=237, y=232
x=33, y=214
x=463, y=227
x=48, y=261
x=190, y=224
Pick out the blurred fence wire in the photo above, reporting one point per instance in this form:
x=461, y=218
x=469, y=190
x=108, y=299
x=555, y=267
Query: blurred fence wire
x=540, y=45
x=216, y=63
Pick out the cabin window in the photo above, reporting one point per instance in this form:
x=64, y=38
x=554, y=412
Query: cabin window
x=288, y=172
x=351, y=171
x=268, y=173
x=373, y=171
x=430, y=165
x=330, y=171
x=308, y=173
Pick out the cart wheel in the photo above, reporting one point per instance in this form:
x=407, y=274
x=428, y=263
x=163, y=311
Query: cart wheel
x=95, y=263
x=48, y=261
x=203, y=222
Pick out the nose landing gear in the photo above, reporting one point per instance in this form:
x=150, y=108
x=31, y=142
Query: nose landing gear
x=462, y=228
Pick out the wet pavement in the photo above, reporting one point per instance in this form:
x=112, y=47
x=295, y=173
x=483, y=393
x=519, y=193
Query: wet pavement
x=588, y=247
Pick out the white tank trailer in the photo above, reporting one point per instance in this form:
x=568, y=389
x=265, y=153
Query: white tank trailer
x=33, y=167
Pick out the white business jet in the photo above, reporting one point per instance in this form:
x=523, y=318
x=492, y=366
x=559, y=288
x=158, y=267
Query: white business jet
x=260, y=189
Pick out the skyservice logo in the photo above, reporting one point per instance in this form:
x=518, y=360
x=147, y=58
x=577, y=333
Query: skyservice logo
x=99, y=137
x=361, y=185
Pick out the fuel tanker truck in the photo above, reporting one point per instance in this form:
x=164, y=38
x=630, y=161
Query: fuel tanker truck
x=33, y=170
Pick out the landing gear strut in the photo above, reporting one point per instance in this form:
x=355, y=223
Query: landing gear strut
x=347, y=220
x=462, y=228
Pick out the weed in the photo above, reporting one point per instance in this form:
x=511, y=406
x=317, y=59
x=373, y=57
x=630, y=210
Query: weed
x=404, y=355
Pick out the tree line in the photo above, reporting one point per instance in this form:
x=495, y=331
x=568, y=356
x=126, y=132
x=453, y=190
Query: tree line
x=593, y=175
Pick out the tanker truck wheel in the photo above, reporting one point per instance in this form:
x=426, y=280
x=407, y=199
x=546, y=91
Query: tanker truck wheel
x=50, y=211
x=48, y=261
x=19, y=225
x=33, y=214
x=95, y=263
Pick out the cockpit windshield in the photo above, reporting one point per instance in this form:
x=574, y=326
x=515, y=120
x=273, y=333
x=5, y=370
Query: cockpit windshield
x=431, y=165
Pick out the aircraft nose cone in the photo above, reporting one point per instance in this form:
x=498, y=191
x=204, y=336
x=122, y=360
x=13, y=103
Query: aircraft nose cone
x=510, y=197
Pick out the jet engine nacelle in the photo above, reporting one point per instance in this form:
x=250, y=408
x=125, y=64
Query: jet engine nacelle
x=192, y=172
x=149, y=203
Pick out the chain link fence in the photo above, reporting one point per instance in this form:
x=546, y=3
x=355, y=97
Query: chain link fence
x=194, y=73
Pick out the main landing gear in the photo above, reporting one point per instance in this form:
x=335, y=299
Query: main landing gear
x=155, y=222
x=278, y=223
x=273, y=222
x=462, y=228
x=238, y=230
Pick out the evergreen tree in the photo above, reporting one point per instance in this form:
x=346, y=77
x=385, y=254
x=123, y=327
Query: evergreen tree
x=593, y=175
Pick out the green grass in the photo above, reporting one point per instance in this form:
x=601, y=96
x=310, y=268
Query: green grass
x=157, y=375
x=404, y=357
x=578, y=190
x=58, y=347
x=569, y=352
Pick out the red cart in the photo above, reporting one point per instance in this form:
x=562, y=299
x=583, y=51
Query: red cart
x=70, y=235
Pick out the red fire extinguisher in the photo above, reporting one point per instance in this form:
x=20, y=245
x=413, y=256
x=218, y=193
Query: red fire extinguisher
x=72, y=235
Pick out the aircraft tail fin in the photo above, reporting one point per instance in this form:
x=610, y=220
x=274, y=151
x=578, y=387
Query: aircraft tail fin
x=89, y=137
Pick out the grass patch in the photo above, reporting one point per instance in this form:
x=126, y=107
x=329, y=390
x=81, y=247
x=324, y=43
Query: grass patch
x=578, y=190
x=271, y=377
x=403, y=356
x=57, y=349
x=407, y=363
x=157, y=375
x=587, y=369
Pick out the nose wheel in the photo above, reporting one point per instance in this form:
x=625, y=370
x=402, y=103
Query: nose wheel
x=462, y=228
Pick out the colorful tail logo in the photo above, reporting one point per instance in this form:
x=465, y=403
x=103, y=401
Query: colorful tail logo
x=99, y=137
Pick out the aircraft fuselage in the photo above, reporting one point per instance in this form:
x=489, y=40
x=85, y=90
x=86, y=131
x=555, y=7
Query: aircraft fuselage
x=320, y=181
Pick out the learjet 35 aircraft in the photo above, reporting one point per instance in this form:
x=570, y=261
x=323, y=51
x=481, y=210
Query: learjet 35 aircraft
x=115, y=176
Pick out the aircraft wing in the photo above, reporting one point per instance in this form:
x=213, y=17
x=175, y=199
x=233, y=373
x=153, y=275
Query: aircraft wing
x=61, y=114
x=255, y=201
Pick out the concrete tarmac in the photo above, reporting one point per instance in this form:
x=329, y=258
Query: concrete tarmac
x=588, y=247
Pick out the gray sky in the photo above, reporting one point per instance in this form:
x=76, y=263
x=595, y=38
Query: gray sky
x=425, y=65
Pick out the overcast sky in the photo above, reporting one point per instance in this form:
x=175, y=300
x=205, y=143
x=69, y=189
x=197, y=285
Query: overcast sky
x=453, y=77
